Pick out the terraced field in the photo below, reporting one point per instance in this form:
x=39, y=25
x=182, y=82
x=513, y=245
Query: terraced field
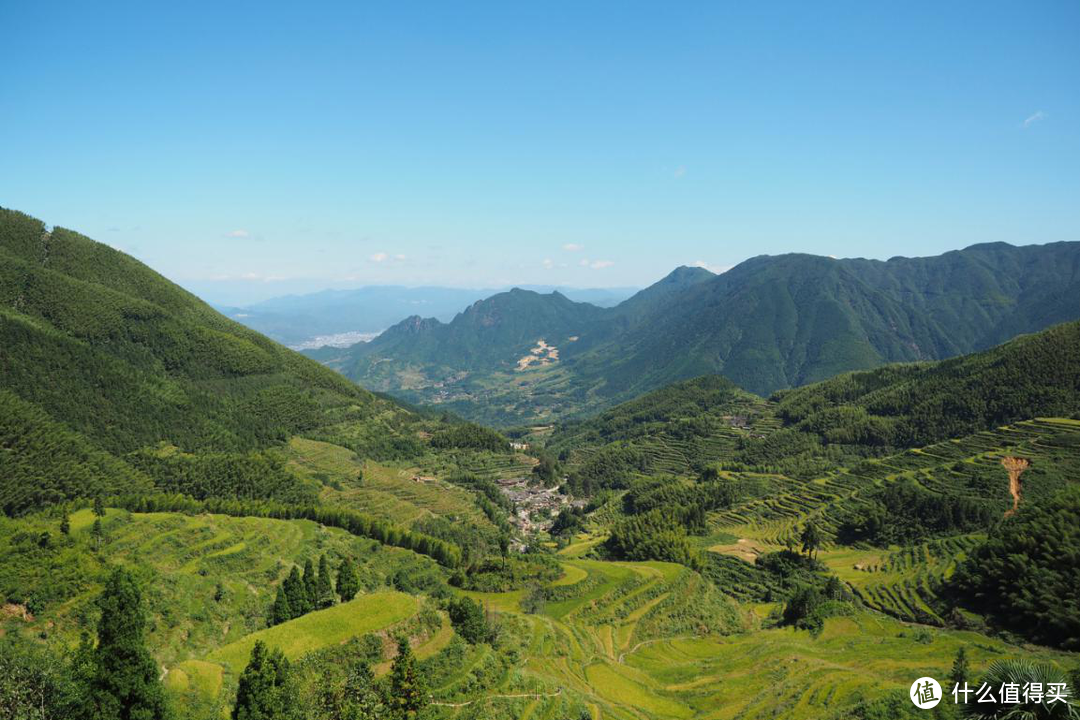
x=904, y=583
x=335, y=625
x=1049, y=443
x=610, y=638
x=397, y=492
x=213, y=577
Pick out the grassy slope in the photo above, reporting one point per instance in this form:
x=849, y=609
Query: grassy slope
x=182, y=559
x=332, y=626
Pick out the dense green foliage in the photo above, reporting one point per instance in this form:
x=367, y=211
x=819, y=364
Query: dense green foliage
x=1026, y=573
x=654, y=535
x=904, y=513
x=470, y=435
x=407, y=695
x=113, y=379
x=468, y=619
x=265, y=691
x=123, y=682
x=911, y=405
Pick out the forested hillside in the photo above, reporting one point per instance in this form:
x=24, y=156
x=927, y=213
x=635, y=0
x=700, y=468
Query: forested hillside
x=767, y=324
x=685, y=426
x=114, y=379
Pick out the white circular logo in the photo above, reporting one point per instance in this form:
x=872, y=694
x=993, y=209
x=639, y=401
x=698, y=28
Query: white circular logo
x=925, y=693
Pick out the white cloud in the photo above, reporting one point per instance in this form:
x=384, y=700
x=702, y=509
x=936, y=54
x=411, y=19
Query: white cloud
x=679, y=171
x=381, y=257
x=601, y=264
x=238, y=234
x=573, y=247
x=1034, y=118
x=548, y=263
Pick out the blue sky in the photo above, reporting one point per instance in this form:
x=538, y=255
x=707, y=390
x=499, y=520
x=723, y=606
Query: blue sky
x=247, y=149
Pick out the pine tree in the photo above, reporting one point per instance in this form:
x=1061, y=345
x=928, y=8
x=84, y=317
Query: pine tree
x=65, y=525
x=361, y=701
x=348, y=584
x=265, y=691
x=124, y=683
x=281, y=611
x=407, y=696
x=324, y=586
x=98, y=532
x=961, y=670
x=295, y=593
x=99, y=507
x=311, y=586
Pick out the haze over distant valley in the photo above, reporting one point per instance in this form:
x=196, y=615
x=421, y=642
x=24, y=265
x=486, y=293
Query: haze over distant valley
x=344, y=317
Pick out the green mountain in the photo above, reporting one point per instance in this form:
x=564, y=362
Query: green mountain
x=769, y=323
x=114, y=379
x=684, y=427
x=261, y=509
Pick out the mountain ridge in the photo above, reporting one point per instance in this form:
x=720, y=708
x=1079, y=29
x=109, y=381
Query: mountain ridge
x=769, y=323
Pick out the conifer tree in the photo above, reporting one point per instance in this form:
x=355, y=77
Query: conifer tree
x=99, y=507
x=98, y=532
x=124, y=683
x=295, y=593
x=311, y=586
x=324, y=586
x=348, y=584
x=960, y=667
x=265, y=691
x=407, y=694
x=281, y=611
x=362, y=702
x=65, y=525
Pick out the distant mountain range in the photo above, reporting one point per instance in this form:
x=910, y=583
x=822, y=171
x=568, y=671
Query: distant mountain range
x=766, y=324
x=344, y=317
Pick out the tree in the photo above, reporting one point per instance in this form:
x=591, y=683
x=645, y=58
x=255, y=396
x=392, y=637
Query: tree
x=802, y=610
x=65, y=525
x=99, y=507
x=348, y=584
x=504, y=546
x=407, y=694
x=125, y=677
x=362, y=702
x=311, y=589
x=295, y=593
x=468, y=619
x=281, y=611
x=265, y=691
x=98, y=533
x=324, y=587
x=1024, y=576
x=961, y=670
x=354, y=699
x=810, y=539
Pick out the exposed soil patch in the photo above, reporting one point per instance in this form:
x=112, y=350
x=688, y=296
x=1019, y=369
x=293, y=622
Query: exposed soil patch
x=1016, y=466
x=13, y=610
x=542, y=354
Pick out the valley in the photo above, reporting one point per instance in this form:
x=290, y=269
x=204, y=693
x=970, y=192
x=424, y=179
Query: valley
x=696, y=551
